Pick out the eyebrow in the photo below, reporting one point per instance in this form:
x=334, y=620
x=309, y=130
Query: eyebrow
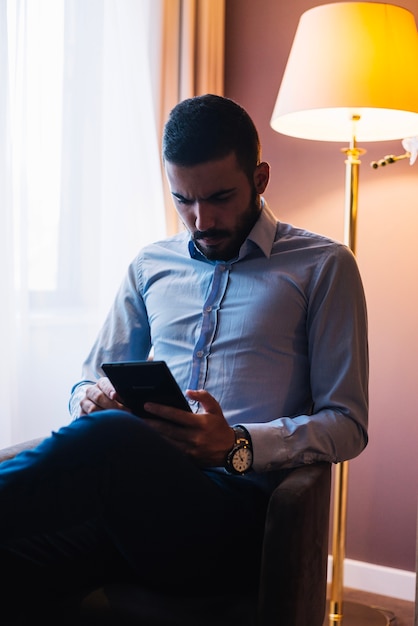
x=213, y=196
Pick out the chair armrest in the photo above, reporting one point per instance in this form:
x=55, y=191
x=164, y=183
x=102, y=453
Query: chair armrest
x=12, y=451
x=293, y=581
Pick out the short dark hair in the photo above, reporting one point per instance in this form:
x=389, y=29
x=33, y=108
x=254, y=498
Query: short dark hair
x=209, y=127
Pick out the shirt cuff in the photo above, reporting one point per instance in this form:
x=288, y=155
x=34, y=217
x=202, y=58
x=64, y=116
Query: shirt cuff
x=77, y=395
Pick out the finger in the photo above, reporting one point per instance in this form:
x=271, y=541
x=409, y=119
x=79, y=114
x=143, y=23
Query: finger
x=205, y=399
x=178, y=416
x=167, y=429
x=100, y=400
x=87, y=407
x=107, y=387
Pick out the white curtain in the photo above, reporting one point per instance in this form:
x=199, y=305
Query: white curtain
x=80, y=187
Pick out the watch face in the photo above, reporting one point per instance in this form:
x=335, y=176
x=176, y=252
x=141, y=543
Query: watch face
x=242, y=459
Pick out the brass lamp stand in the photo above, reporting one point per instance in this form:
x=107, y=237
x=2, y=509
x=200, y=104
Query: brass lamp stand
x=348, y=613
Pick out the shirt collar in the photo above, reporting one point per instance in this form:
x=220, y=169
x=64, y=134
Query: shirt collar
x=261, y=235
x=263, y=232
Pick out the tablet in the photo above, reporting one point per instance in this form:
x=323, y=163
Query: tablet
x=138, y=382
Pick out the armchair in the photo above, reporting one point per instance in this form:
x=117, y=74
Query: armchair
x=293, y=577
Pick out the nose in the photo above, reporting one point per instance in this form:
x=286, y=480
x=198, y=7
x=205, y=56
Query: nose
x=204, y=216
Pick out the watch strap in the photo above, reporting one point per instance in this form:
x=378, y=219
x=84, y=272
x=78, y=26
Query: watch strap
x=242, y=433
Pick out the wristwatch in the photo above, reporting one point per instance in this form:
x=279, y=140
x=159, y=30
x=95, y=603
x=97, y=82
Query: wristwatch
x=239, y=460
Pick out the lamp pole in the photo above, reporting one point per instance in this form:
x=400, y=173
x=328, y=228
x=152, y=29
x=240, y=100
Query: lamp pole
x=343, y=613
x=352, y=172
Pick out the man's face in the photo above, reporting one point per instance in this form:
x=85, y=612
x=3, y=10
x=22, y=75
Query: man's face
x=217, y=203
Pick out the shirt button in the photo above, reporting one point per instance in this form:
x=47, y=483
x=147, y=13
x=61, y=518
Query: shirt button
x=199, y=354
x=208, y=309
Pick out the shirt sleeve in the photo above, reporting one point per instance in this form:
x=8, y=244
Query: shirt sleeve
x=336, y=327
x=125, y=336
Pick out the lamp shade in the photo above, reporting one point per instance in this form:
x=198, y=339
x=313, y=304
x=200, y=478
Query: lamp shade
x=351, y=59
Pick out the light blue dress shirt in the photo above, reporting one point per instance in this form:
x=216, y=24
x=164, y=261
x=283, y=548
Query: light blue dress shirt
x=278, y=336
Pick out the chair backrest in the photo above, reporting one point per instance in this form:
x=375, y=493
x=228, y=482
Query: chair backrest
x=293, y=582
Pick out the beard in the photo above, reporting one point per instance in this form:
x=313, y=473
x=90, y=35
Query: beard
x=223, y=244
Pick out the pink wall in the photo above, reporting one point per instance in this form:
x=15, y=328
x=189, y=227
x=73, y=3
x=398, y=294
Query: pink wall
x=307, y=189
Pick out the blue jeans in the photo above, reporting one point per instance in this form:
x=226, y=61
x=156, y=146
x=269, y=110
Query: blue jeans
x=105, y=498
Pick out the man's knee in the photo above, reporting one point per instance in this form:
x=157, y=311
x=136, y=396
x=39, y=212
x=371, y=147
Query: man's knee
x=110, y=425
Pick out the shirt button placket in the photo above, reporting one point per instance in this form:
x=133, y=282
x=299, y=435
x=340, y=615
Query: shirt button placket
x=208, y=328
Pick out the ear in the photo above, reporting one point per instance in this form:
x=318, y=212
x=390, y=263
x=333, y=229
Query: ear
x=261, y=177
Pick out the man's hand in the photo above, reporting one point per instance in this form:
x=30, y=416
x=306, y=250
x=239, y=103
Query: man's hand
x=205, y=436
x=101, y=396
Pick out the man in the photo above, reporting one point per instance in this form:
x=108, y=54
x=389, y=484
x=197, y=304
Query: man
x=263, y=326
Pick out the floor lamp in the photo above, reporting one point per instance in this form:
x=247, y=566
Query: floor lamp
x=352, y=75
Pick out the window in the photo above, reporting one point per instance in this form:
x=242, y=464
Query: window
x=36, y=54
x=80, y=186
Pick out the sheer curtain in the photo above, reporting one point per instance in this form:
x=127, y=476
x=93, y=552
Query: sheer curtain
x=80, y=187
